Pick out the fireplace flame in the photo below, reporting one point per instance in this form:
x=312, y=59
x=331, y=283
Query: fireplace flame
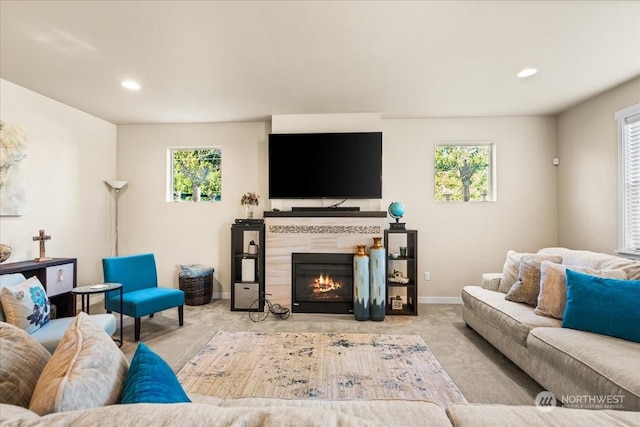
x=324, y=284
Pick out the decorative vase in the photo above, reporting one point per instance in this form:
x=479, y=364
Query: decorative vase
x=377, y=269
x=5, y=252
x=249, y=210
x=361, y=284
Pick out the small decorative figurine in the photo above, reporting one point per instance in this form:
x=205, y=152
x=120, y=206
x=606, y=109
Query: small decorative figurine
x=41, y=237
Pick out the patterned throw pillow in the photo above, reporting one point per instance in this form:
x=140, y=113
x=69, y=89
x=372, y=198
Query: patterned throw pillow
x=87, y=370
x=527, y=287
x=26, y=305
x=511, y=268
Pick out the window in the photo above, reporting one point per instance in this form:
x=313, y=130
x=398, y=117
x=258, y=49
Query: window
x=194, y=174
x=629, y=181
x=464, y=172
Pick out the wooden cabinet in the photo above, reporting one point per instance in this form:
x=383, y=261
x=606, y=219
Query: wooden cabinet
x=247, y=265
x=57, y=275
x=402, y=272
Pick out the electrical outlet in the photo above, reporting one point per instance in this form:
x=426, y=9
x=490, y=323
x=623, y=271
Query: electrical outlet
x=427, y=275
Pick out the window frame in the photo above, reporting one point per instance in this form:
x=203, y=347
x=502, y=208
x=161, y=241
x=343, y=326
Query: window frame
x=625, y=249
x=170, y=169
x=491, y=169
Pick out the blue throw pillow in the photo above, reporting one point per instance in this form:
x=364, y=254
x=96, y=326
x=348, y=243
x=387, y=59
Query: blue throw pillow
x=604, y=306
x=151, y=380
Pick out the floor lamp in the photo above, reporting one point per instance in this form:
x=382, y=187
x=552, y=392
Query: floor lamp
x=117, y=185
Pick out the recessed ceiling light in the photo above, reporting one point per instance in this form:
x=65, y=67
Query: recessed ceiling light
x=527, y=72
x=131, y=85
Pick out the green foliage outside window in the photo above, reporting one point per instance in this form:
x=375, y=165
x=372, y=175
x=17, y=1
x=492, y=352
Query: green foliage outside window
x=196, y=174
x=457, y=165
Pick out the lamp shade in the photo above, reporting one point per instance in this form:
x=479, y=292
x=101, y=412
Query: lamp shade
x=116, y=185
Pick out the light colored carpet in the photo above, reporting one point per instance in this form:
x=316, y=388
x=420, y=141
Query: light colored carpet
x=481, y=372
x=324, y=366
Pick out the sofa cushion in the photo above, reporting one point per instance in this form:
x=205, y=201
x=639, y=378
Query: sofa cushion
x=513, y=318
x=86, y=370
x=532, y=416
x=52, y=333
x=527, y=287
x=151, y=380
x=595, y=260
x=598, y=364
x=604, y=306
x=26, y=304
x=491, y=281
x=511, y=267
x=250, y=412
x=21, y=363
x=552, y=298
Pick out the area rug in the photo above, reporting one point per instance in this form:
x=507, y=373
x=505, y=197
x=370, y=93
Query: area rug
x=325, y=366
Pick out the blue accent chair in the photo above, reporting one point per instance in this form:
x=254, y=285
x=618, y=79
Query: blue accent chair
x=141, y=294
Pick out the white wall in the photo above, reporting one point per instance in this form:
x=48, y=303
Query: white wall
x=69, y=155
x=458, y=241
x=588, y=171
x=187, y=232
x=72, y=153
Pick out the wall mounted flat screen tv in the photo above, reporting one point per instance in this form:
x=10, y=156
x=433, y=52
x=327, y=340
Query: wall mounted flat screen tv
x=325, y=165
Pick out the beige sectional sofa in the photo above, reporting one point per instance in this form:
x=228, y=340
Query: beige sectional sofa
x=83, y=382
x=582, y=369
x=259, y=412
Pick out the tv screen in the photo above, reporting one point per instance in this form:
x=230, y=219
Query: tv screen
x=325, y=165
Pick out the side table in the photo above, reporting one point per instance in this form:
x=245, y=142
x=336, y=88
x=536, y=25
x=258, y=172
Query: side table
x=100, y=288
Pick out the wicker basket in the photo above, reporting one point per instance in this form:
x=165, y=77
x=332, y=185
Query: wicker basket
x=197, y=290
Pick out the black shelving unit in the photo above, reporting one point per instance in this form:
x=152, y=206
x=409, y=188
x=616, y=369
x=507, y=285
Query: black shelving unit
x=407, y=304
x=247, y=269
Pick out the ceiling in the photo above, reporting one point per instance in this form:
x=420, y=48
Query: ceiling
x=217, y=61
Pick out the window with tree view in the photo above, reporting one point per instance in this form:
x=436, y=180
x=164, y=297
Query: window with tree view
x=464, y=172
x=195, y=174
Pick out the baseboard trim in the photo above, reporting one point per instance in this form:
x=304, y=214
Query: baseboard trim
x=440, y=300
x=221, y=295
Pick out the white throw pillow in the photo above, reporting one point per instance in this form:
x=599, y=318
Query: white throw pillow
x=87, y=370
x=26, y=305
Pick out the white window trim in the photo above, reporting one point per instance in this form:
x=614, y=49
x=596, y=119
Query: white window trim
x=493, y=181
x=170, y=160
x=624, y=248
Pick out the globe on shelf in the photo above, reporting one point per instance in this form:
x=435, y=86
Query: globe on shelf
x=396, y=210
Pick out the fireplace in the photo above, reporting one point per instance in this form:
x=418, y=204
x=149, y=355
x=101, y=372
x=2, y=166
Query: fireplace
x=322, y=283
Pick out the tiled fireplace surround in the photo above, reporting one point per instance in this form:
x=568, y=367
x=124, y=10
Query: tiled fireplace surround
x=312, y=232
